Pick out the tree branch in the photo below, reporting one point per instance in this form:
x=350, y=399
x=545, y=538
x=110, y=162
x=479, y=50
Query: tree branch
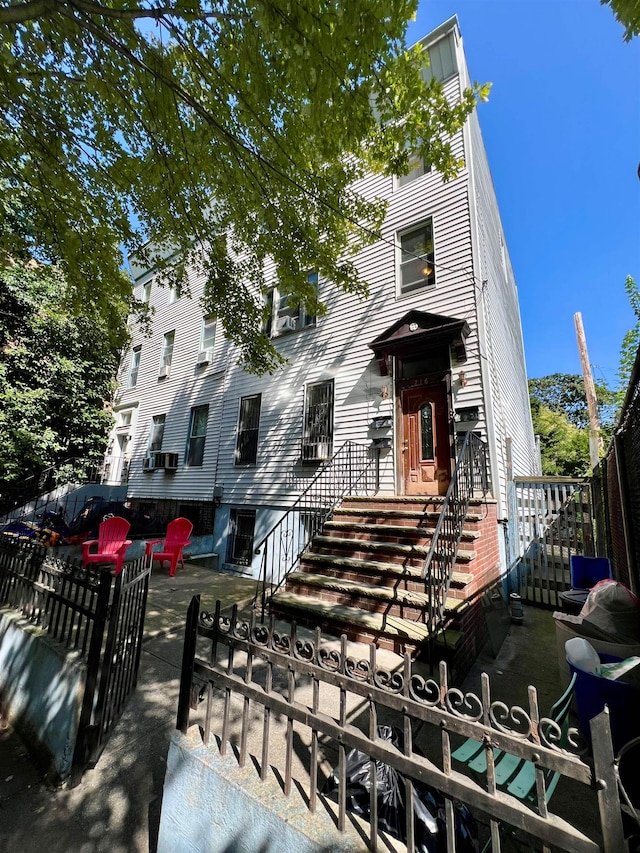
x=20, y=13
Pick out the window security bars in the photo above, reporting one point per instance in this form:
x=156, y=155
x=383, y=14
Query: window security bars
x=317, y=433
x=257, y=681
x=350, y=472
x=469, y=479
x=241, y=530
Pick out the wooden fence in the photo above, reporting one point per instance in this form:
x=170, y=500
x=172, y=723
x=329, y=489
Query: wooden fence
x=554, y=522
x=264, y=677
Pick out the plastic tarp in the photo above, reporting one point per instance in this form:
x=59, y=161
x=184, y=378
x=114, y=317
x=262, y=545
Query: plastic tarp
x=429, y=804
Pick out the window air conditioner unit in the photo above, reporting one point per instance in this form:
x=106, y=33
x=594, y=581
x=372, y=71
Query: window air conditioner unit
x=170, y=461
x=204, y=356
x=164, y=371
x=286, y=324
x=316, y=452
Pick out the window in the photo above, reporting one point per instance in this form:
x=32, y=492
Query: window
x=173, y=295
x=442, y=60
x=317, y=434
x=207, y=338
x=417, y=258
x=248, y=427
x=146, y=293
x=156, y=434
x=242, y=525
x=285, y=316
x=418, y=166
x=426, y=431
x=124, y=418
x=197, y=435
x=134, y=366
x=167, y=354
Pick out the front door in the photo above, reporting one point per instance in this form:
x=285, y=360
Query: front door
x=426, y=447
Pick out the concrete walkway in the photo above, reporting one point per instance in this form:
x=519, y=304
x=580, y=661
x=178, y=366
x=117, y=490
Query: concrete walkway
x=116, y=807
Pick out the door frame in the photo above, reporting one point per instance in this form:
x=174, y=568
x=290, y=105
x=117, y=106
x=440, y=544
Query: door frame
x=425, y=381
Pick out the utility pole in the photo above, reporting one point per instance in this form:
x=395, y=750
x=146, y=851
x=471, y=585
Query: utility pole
x=595, y=440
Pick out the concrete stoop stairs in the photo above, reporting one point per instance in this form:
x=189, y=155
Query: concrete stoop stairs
x=362, y=575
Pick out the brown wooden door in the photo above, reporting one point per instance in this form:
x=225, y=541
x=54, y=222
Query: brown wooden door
x=426, y=447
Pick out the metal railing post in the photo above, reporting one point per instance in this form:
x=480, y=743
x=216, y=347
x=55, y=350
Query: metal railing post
x=188, y=656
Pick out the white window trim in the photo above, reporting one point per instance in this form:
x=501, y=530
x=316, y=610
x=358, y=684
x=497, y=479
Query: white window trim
x=399, y=235
x=275, y=295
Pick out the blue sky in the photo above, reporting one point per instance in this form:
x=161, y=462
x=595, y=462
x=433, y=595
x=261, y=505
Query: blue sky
x=562, y=132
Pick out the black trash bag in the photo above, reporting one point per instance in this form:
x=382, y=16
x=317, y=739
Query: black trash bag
x=428, y=803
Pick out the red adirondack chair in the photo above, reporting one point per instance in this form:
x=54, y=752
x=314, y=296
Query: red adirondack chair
x=177, y=536
x=111, y=544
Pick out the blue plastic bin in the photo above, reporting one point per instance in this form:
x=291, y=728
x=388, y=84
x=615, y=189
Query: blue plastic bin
x=593, y=692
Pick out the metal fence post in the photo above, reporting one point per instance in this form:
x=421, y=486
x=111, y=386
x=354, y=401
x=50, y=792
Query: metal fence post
x=188, y=655
x=607, y=784
x=83, y=744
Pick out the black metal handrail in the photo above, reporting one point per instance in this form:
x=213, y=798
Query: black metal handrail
x=349, y=472
x=469, y=478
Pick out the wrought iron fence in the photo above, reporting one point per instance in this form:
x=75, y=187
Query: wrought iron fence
x=36, y=492
x=264, y=678
x=90, y=612
x=351, y=471
x=469, y=479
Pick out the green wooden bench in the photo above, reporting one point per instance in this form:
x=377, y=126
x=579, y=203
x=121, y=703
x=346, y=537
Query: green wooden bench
x=517, y=776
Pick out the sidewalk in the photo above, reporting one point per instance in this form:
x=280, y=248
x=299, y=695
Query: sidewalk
x=116, y=807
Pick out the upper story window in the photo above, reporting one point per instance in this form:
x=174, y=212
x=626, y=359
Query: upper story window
x=166, y=355
x=418, y=166
x=134, y=366
x=207, y=340
x=287, y=316
x=248, y=429
x=173, y=295
x=197, y=435
x=156, y=434
x=317, y=429
x=417, y=267
x=442, y=60
x=146, y=293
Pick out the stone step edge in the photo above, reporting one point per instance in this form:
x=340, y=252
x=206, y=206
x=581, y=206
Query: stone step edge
x=350, y=563
x=378, y=623
x=408, y=499
x=391, y=529
x=389, y=594
x=390, y=547
x=401, y=513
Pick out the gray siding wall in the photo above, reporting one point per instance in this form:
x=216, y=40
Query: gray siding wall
x=467, y=252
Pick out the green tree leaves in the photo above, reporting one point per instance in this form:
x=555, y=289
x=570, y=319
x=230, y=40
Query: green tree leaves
x=215, y=134
x=56, y=372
